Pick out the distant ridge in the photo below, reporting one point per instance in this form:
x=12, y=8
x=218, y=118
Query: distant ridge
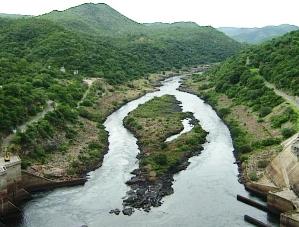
x=13, y=16
x=257, y=35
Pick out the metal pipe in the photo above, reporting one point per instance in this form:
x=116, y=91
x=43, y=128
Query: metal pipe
x=255, y=222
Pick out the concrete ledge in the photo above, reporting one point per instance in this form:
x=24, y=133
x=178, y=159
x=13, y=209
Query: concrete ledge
x=21, y=196
x=280, y=202
x=33, y=183
x=260, y=190
x=289, y=219
x=8, y=210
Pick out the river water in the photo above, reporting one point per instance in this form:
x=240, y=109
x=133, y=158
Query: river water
x=204, y=194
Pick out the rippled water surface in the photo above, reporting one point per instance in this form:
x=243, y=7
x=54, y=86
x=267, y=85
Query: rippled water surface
x=204, y=194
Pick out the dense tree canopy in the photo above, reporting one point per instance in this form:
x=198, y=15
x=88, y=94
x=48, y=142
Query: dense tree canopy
x=34, y=49
x=278, y=61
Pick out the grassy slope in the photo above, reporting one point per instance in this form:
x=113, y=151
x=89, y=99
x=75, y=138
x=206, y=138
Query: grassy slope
x=152, y=123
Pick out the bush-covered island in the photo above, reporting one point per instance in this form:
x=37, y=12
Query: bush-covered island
x=152, y=123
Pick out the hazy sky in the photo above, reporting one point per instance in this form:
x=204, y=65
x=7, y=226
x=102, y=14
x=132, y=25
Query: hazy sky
x=239, y=13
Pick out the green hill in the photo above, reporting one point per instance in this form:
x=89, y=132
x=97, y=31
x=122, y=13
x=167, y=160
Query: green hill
x=242, y=76
x=157, y=45
x=275, y=61
x=258, y=116
x=34, y=49
x=257, y=35
x=183, y=43
x=99, y=19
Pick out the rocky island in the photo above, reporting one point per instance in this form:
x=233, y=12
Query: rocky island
x=152, y=123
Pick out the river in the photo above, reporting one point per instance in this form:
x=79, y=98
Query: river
x=204, y=194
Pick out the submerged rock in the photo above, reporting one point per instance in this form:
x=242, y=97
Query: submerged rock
x=148, y=194
x=128, y=211
x=115, y=211
x=136, y=180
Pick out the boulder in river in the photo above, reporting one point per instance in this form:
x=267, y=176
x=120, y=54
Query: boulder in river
x=115, y=211
x=128, y=211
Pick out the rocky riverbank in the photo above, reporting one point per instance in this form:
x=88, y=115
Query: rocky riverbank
x=256, y=140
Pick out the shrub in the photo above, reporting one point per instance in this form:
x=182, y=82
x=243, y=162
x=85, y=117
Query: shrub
x=160, y=159
x=262, y=164
x=85, y=113
x=244, y=148
x=244, y=157
x=63, y=148
x=288, y=132
x=86, y=103
x=264, y=111
x=25, y=163
x=70, y=133
x=94, y=145
x=253, y=176
x=277, y=121
x=224, y=111
x=163, y=146
x=267, y=142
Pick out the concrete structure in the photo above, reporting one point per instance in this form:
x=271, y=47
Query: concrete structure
x=76, y=72
x=282, y=201
x=281, y=183
x=13, y=176
x=289, y=219
x=11, y=191
x=3, y=182
x=247, y=61
x=200, y=68
x=62, y=69
x=283, y=171
x=15, y=184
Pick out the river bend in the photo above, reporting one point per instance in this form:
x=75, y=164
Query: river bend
x=204, y=194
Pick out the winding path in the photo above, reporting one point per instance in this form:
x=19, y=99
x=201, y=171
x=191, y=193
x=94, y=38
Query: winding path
x=291, y=99
x=89, y=82
x=50, y=107
x=22, y=128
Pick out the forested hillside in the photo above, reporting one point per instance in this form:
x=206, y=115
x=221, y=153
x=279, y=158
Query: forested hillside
x=278, y=62
x=34, y=49
x=241, y=78
x=156, y=45
x=94, y=19
x=259, y=118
